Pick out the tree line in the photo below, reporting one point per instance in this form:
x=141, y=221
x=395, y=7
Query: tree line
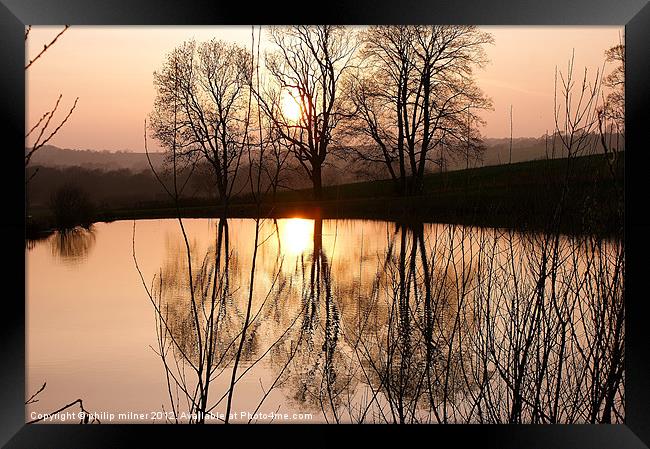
x=397, y=98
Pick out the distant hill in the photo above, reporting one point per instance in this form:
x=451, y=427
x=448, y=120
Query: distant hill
x=529, y=149
x=51, y=156
x=521, y=195
x=125, y=178
x=497, y=152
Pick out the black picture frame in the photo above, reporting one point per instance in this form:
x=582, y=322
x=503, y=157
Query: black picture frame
x=634, y=14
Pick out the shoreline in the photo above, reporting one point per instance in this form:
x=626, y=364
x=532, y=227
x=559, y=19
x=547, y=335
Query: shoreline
x=522, y=196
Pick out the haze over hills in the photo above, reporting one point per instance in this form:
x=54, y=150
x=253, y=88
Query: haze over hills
x=497, y=152
x=51, y=156
x=124, y=178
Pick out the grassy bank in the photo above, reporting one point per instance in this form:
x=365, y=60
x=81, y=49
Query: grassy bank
x=522, y=195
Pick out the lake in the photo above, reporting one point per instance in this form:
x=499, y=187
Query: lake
x=346, y=321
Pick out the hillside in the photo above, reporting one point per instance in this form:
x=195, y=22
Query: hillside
x=51, y=156
x=497, y=152
x=521, y=195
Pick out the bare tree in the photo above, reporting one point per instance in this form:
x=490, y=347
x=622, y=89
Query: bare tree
x=209, y=82
x=308, y=66
x=415, y=93
x=576, y=110
x=45, y=129
x=611, y=115
x=198, y=343
x=84, y=415
x=614, y=107
x=273, y=152
x=274, y=165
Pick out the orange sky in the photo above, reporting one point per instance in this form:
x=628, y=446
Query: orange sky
x=110, y=70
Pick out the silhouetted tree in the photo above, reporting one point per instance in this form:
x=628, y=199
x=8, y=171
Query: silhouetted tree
x=71, y=207
x=614, y=107
x=611, y=117
x=270, y=154
x=44, y=129
x=308, y=66
x=416, y=91
x=202, y=105
x=275, y=163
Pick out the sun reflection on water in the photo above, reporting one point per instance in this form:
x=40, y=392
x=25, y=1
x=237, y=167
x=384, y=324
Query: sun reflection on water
x=296, y=235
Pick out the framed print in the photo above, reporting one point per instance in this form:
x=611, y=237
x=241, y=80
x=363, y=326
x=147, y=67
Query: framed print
x=407, y=213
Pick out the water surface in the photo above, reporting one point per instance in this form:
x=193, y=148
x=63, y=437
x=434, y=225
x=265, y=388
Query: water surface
x=350, y=321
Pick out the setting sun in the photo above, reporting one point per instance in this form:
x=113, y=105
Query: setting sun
x=291, y=107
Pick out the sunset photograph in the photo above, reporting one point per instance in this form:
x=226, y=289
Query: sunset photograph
x=325, y=224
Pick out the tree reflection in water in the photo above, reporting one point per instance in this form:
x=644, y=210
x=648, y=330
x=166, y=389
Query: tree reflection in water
x=442, y=323
x=319, y=375
x=72, y=246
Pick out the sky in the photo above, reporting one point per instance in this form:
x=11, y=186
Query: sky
x=111, y=70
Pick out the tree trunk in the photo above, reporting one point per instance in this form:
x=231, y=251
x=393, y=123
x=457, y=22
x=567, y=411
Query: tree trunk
x=317, y=182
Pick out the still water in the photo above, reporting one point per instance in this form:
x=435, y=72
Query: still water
x=346, y=321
